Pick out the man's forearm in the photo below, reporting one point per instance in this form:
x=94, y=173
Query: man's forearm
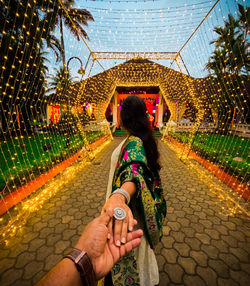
x=63, y=274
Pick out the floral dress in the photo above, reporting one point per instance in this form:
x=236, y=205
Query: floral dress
x=149, y=208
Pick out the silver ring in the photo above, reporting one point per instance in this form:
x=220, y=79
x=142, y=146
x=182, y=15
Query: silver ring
x=119, y=214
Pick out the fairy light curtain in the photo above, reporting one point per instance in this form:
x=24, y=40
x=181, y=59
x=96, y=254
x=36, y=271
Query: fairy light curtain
x=54, y=91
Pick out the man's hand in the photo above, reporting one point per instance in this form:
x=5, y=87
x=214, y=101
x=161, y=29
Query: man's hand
x=102, y=252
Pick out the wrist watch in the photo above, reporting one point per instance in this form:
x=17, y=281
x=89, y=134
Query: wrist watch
x=83, y=265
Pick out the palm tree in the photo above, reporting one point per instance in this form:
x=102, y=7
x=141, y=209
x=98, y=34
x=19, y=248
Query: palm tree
x=228, y=61
x=56, y=15
x=244, y=19
x=60, y=81
x=231, y=50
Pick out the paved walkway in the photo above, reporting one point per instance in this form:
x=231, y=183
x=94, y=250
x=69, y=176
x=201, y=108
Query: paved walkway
x=200, y=246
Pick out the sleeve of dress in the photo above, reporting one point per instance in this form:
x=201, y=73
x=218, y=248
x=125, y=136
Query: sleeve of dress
x=132, y=167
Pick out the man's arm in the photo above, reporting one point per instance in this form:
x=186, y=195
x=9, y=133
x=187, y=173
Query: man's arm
x=103, y=253
x=63, y=274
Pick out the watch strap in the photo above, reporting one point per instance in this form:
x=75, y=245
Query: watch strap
x=83, y=265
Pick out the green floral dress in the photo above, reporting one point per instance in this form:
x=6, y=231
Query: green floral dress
x=148, y=202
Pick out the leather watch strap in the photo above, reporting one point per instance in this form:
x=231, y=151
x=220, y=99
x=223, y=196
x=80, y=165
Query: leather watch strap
x=83, y=265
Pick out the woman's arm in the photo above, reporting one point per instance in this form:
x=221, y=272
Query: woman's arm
x=118, y=200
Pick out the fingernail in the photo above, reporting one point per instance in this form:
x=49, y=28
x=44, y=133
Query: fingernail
x=123, y=240
x=108, y=235
x=131, y=228
x=118, y=243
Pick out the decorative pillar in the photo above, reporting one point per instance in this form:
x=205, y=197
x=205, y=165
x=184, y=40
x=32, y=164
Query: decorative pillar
x=160, y=111
x=98, y=106
x=115, y=109
x=182, y=109
x=47, y=114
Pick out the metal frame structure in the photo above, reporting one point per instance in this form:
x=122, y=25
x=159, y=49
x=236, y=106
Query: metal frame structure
x=175, y=56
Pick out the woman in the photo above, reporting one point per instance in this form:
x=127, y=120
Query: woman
x=134, y=179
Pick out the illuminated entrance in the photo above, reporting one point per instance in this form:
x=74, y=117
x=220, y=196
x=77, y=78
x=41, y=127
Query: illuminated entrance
x=155, y=104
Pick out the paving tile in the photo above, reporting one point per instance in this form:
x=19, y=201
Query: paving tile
x=200, y=257
x=206, y=223
x=178, y=236
x=167, y=241
x=213, y=233
x=230, y=240
x=240, y=277
x=219, y=267
x=191, y=280
x=51, y=261
x=175, y=272
x=175, y=226
x=183, y=221
x=240, y=253
x=182, y=248
x=24, y=258
x=60, y=246
x=208, y=275
x=210, y=250
x=230, y=260
x=43, y=252
x=238, y=235
x=188, y=264
x=227, y=282
x=230, y=225
x=164, y=279
x=221, y=229
x=170, y=255
x=221, y=245
x=45, y=232
x=53, y=238
x=6, y=263
x=194, y=243
x=36, y=243
x=32, y=268
x=197, y=227
x=200, y=245
x=161, y=260
x=203, y=237
x=188, y=231
x=10, y=276
x=245, y=267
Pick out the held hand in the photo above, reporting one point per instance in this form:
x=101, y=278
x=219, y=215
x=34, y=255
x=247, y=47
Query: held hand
x=104, y=253
x=112, y=253
x=121, y=227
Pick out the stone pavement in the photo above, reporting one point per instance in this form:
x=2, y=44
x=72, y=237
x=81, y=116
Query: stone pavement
x=200, y=246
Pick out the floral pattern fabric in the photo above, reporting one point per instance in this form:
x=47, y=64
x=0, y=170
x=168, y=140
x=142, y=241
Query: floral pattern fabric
x=132, y=167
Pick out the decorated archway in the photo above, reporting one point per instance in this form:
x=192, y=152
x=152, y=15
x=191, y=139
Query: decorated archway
x=176, y=90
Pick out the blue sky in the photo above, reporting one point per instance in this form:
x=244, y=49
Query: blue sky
x=148, y=26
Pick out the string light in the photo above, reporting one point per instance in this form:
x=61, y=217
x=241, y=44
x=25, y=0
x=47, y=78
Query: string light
x=47, y=116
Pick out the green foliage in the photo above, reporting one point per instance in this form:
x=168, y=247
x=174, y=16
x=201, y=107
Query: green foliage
x=229, y=67
x=61, y=81
x=56, y=16
x=231, y=46
x=23, y=76
x=221, y=150
x=24, y=159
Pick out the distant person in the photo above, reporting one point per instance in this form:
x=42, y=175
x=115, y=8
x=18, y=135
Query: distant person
x=98, y=255
x=134, y=187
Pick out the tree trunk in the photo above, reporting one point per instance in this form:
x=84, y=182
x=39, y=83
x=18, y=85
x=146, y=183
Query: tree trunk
x=62, y=43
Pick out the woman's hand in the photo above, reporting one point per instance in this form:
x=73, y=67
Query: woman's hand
x=121, y=227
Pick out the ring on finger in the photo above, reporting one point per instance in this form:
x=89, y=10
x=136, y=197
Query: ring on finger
x=119, y=213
